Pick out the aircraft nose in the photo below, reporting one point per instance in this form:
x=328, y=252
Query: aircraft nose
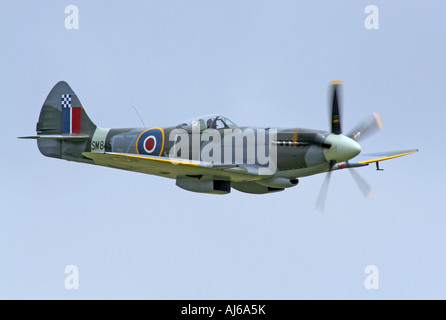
x=342, y=148
x=348, y=149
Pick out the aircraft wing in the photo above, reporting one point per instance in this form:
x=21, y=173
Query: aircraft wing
x=364, y=159
x=172, y=168
x=381, y=156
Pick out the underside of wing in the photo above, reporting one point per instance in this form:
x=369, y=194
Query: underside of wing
x=174, y=168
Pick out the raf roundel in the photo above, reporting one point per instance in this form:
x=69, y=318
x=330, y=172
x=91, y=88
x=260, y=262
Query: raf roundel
x=150, y=142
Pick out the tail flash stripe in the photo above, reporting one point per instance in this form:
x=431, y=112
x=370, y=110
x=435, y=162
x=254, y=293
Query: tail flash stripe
x=71, y=116
x=76, y=120
x=66, y=113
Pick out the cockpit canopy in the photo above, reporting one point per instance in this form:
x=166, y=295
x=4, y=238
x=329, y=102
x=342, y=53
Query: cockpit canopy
x=211, y=121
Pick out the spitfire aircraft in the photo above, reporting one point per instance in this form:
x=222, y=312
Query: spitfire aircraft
x=209, y=154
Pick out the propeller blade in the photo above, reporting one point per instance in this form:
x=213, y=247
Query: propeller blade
x=335, y=108
x=322, y=197
x=366, y=128
x=320, y=202
x=362, y=184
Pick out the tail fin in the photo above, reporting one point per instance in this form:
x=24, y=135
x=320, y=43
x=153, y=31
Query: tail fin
x=62, y=113
x=64, y=127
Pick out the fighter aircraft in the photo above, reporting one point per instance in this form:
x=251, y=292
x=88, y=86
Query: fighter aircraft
x=210, y=154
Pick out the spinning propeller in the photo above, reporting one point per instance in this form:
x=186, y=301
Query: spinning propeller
x=345, y=147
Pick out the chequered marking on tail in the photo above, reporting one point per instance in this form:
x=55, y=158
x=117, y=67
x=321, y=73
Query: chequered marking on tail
x=66, y=101
x=71, y=116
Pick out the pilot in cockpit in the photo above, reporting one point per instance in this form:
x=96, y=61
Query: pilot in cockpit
x=211, y=123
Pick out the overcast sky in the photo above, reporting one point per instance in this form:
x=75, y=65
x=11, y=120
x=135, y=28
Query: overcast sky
x=262, y=63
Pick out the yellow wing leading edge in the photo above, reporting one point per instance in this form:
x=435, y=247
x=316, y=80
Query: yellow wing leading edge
x=381, y=156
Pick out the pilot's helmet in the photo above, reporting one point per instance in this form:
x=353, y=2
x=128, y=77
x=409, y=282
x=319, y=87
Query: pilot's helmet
x=210, y=123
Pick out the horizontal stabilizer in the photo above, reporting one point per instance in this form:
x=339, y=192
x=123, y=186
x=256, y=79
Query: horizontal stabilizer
x=58, y=137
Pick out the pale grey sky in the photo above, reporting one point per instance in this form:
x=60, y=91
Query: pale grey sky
x=259, y=63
